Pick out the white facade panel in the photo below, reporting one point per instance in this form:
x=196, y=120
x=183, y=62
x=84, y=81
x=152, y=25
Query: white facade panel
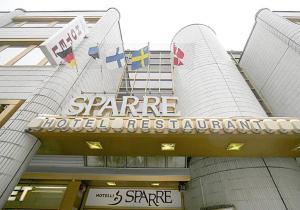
x=209, y=82
x=271, y=60
x=20, y=82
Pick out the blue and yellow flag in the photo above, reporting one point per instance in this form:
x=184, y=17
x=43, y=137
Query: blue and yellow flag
x=140, y=58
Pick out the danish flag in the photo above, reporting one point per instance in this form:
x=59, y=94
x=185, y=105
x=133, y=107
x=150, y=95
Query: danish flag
x=178, y=55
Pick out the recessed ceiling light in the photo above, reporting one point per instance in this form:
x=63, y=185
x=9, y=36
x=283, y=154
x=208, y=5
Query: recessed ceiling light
x=168, y=147
x=155, y=184
x=297, y=148
x=234, y=146
x=94, y=145
x=111, y=183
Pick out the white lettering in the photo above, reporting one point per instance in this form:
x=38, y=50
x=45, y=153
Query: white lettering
x=201, y=125
x=150, y=102
x=168, y=106
x=229, y=125
x=129, y=102
x=173, y=125
x=215, y=125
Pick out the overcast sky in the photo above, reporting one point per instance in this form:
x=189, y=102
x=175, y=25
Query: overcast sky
x=157, y=21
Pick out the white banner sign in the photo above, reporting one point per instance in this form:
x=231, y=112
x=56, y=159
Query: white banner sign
x=70, y=35
x=131, y=198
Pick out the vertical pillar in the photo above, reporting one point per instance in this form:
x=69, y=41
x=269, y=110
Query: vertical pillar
x=18, y=147
x=71, y=198
x=209, y=85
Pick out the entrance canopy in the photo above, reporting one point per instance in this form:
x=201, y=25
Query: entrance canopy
x=259, y=137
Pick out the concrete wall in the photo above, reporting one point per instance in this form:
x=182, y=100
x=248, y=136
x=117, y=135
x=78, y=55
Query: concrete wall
x=208, y=84
x=17, y=147
x=271, y=60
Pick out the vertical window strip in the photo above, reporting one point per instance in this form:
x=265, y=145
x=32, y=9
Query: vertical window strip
x=11, y=107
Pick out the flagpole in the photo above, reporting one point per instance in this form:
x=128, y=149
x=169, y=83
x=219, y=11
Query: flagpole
x=135, y=73
x=75, y=60
x=172, y=69
x=148, y=70
x=126, y=71
x=126, y=68
x=101, y=64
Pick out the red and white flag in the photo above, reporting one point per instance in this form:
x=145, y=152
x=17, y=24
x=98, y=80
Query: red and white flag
x=178, y=56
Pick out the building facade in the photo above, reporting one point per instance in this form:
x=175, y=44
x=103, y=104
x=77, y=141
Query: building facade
x=192, y=128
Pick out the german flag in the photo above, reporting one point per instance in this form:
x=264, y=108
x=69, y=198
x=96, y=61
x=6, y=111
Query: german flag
x=68, y=56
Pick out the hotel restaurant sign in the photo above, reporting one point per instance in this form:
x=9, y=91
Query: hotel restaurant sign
x=154, y=114
x=134, y=198
x=93, y=125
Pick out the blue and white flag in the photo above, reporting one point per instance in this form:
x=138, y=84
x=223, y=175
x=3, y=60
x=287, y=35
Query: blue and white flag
x=116, y=60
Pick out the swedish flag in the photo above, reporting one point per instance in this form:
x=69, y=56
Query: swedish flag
x=140, y=58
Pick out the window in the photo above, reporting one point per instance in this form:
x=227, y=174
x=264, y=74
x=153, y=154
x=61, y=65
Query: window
x=176, y=162
x=154, y=80
x=34, y=57
x=7, y=109
x=28, y=24
x=22, y=55
x=35, y=24
x=9, y=53
x=60, y=24
x=96, y=161
x=14, y=24
x=156, y=162
x=115, y=161
x=136, y=161
x=91, y=23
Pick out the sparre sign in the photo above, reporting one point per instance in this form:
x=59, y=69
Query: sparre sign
x=142, y=198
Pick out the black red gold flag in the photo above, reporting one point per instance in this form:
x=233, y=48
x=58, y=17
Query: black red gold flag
x=68, y=56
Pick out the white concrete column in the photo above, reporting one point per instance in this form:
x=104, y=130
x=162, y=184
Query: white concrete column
x=208, y=84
